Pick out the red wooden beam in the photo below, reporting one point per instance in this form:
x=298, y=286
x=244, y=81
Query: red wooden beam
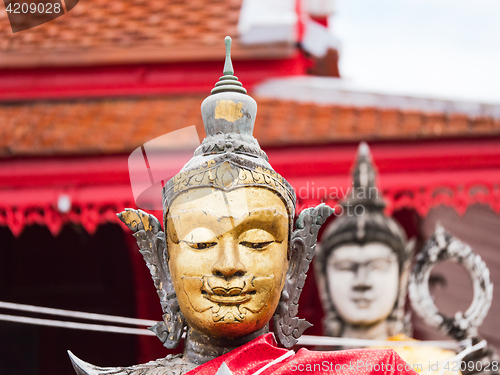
x=141, y=79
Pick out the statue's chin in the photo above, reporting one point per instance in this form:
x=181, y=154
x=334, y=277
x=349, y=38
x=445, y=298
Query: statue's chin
x=365, y=321
x=371, y=314
x=234, y=316
x=229, y=322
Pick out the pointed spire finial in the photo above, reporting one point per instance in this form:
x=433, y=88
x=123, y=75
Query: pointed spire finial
x=364, y=150
x=364, y=189
x=228, y=65
x=364, y=171
x=228, y=82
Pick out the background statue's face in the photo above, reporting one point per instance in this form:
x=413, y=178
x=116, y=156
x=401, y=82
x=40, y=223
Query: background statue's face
x=363, y=282
x=228, y=257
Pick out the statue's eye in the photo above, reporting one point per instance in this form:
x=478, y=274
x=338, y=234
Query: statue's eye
x=200, y=245
x=379, y=264
x=257, y=239
x=256, y=245
x=345, y=266
x=200, y=239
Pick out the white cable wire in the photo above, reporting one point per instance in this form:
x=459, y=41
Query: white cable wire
x=77, y=314
x=462, y=354
x=73, y=325
x=303, y=340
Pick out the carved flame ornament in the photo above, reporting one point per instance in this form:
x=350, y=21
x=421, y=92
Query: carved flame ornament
x=440, y=247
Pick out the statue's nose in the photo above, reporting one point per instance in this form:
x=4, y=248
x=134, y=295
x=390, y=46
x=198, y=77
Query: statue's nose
x=228, y=263
x=361, y=278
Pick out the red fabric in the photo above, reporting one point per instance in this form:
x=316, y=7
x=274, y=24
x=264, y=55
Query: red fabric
x=251, y=357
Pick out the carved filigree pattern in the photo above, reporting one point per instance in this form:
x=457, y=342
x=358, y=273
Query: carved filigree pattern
x=170, y=365
x=287, y=326
x=440, y=247
x=224, y=173
x=151, y=241
x=232, y=143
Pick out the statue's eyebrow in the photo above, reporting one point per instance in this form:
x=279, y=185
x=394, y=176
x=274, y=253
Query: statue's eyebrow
x=270, y=218
x=186, y=221
x=333, y=260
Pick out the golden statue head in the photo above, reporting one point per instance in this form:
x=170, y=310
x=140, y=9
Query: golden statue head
x=229, y=259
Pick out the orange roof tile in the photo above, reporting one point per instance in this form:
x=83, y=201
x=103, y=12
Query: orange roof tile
x=121, y=125
x=131, y=31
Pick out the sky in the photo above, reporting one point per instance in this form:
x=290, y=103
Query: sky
x=434, y=48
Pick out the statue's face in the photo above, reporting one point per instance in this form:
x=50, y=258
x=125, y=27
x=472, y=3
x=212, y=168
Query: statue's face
x=228, y=258
x=363, y=282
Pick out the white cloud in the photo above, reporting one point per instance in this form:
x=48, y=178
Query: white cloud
x=436, y=48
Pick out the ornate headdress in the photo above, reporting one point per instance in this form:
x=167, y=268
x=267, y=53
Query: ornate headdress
x=229, y=158
x=364, y=221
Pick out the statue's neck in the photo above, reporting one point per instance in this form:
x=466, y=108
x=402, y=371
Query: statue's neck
x=200, y=348
x=377, y=331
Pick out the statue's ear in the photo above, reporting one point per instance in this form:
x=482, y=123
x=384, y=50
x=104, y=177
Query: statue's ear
x=287, y=326
x=137, y=220
x=410, y=248
x=406, y=265
x=152, y=246
x=400, y=317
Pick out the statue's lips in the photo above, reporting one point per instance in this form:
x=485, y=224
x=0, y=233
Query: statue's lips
x=248, y=291
x=362, y=302
x=229, y=299
x=224, y=292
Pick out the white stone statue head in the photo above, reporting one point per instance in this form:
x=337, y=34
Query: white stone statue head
x=362, y=264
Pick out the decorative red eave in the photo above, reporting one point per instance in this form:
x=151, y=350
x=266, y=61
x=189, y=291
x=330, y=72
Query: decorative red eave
x=30, y=188
x=418, y=191
x=90, y=207
x=415, y=175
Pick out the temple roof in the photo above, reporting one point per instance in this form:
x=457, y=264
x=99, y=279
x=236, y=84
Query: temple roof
x=131, y=31
x=120, y=125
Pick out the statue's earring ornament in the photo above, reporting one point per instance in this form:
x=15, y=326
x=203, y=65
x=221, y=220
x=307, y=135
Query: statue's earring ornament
x=287, y=327
x=152, y=246
x=399, y=318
